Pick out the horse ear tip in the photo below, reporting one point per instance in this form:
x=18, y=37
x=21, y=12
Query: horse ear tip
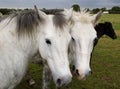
x=34, y=6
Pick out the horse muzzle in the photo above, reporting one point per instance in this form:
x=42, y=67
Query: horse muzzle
x=63, y=81
x=81, y=75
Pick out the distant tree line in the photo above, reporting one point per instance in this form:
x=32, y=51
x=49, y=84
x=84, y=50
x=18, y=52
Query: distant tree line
x=98, y=9
x=76, y=7
x=113, y=10
x=6, y=11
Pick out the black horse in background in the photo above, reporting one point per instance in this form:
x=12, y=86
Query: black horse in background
x=105, y=28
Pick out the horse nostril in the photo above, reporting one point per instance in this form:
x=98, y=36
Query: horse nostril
x=73, y=68
x=77, y=72
x=90, y=72
x=58, y=81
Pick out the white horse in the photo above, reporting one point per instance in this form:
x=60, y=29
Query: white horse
x=24, y=34
x=84, y=37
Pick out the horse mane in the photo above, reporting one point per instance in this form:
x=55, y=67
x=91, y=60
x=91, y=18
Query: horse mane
x=59, y=20
x=84, y=16
x=27, y=22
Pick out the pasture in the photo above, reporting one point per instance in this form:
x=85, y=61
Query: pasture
x=105, y=64
x=114, y=18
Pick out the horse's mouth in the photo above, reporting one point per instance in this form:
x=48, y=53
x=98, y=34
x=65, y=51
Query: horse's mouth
x=79, y=76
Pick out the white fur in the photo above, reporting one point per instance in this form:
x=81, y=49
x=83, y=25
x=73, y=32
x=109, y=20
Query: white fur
x=81, y=47
x=15, y=53
x=56, y=53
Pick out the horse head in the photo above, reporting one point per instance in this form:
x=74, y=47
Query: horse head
x=53, y=46
x=84, y=37
x=109, y=30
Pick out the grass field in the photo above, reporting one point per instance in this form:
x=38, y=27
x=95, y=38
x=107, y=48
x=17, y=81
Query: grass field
x=114, y=18
x=105, y=64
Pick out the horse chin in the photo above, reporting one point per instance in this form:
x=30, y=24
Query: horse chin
x=58, y=86
x=79, y=77
x=82, y=77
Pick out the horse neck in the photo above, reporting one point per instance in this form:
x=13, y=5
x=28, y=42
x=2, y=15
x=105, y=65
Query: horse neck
x=25, y=47
x=29, y=46
x=15, y=52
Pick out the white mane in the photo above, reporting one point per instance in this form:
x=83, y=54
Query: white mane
x=83, y=16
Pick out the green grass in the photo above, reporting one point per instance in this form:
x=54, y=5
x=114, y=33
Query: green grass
x=114, y=18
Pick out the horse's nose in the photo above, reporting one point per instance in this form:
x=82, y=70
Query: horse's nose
x=63, y=81
x=59, y=81
x=83, y=75
x=90, y=72
x=77, y=72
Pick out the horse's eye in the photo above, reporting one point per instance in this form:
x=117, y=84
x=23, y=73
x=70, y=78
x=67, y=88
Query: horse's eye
x=73, y=39
x=48, y=41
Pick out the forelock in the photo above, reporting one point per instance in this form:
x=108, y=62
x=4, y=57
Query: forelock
x=59, y=20
x=83, y=16
x=27, y=21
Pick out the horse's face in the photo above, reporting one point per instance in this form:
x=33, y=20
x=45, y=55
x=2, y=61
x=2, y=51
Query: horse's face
x=82, y=45
x=109, y=30
x=83, y=37
x=53, y=47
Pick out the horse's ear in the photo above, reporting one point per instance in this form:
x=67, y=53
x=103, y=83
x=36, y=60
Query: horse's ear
x=68, y=13
x=41, y=13
x=36, y=9
x=96, y=17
